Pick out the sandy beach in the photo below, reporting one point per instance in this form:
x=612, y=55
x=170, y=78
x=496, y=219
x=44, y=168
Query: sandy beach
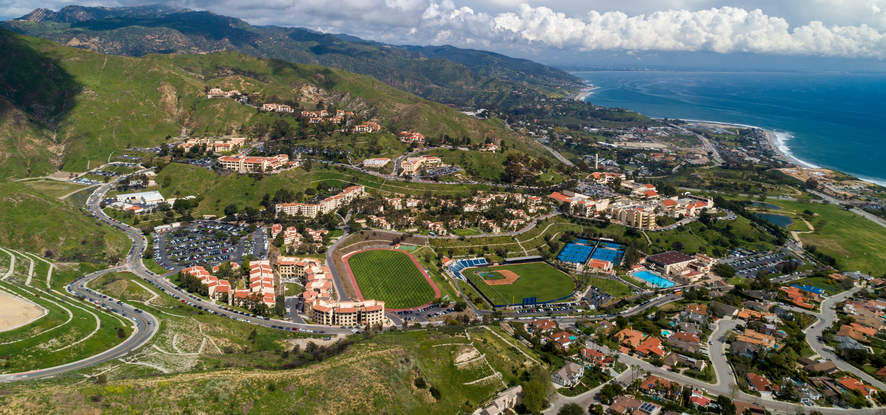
x=16, y=312
x=585, y=93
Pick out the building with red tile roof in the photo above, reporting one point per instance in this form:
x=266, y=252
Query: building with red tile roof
x=541, y=326
x=651, y=346
x=856, y=385
x=562, y=339
x=630, y=337
x=596, y=357
x=760, y=383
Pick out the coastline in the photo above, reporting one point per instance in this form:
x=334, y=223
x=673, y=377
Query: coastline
x=779, y=146
x=585, y=92
x=775, y=142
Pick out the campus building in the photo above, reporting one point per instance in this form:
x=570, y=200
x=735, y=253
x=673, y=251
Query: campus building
x=376, y=163
x=150, y=198
x=253, y=164
x=367, y=127
x=311, y=210
x=297, y=209
x=635, y=216
x=347, y=313
x=413, y=165
x=671, y=262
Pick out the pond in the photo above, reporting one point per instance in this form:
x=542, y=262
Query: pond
x=769, y=206
x=780, y=220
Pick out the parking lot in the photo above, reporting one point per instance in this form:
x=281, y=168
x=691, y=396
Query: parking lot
x=208, y=243
x=748, y=264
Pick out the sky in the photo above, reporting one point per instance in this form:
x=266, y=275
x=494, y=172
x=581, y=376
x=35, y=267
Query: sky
x=832, y=33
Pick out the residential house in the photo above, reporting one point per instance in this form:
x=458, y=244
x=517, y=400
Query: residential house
x=569, y=375
x=761, y=384
x=596, y=357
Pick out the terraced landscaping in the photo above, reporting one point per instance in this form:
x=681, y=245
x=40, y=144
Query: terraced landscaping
x=70, y=330
x=391, y=276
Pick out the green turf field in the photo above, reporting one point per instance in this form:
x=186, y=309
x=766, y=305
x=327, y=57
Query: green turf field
x=392, y=277
x=537, y=279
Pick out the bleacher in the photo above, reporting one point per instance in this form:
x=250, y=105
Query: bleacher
x=459, y=265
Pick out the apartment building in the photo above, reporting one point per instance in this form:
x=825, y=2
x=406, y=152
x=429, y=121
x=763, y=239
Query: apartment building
x=253, y=164
x=347, y=313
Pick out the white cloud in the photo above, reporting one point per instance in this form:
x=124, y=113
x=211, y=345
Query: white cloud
x=723, y=30
x=839, y=28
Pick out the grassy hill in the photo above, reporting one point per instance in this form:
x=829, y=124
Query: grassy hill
x=376, y=375
x=67, y=108
x=441, y=73
x=35, y=222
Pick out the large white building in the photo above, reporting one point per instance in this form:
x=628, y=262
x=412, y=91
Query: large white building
x=149, y=198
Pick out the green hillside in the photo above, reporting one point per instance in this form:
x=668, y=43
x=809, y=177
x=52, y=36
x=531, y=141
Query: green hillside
x=34, y=222
x=447, y=74
x=69, y=108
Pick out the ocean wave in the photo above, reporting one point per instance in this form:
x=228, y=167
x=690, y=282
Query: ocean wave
x=781, y=141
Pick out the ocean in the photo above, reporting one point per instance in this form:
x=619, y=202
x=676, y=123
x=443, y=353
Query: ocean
x=831, y=120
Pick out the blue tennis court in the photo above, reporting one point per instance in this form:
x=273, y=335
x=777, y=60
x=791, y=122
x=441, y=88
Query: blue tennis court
x=575, y=253
x=607, y=254
x=654, y=279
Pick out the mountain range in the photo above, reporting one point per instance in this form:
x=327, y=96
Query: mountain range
x=460, y=77
x=63, y=108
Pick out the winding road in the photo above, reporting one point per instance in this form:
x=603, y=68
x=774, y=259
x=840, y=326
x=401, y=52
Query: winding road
x=145, y=324
x=726, y=383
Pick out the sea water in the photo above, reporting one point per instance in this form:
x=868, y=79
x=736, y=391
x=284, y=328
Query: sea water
x=832, y=120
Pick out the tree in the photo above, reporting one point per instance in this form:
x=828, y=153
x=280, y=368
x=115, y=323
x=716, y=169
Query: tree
x=535, y=390
x=724, y=270
x=571, y=409
x=420, y=383
x=435, y=392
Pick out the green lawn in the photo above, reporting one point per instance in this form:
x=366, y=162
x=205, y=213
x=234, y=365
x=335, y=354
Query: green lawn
x=53, y=188
x=392, y=277
x=466, y=232
x=154, y=266
x=219, y=191
x=293, y=289
x=855, y=242
x=537, y=279
x=612, y=287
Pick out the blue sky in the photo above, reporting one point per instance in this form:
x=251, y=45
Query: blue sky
x=836, y=32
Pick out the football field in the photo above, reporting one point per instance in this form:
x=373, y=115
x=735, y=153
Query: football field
x=391, y=276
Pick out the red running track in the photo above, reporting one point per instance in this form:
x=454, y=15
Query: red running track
x=346, y=260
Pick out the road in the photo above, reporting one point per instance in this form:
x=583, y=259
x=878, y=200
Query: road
x=860, y=212
x=710, y=148
x=726, y=384
x=825, y=320
x=145, y=326
x=133, y=263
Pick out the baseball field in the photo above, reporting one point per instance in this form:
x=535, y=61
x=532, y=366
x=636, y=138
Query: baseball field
x=510, y=284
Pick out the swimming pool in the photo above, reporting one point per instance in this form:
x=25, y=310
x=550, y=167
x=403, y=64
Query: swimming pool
x=666, y=333
x=654, y=279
